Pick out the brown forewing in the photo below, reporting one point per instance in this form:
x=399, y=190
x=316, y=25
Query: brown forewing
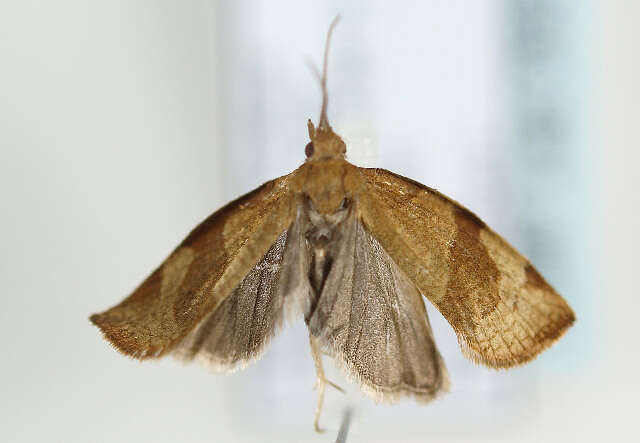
x=502, y=310
x=199, y=273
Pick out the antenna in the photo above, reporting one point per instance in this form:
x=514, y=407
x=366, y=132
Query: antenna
x=324, y=123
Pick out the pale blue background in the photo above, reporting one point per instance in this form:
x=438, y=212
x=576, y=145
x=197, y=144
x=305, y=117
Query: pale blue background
x=124, y=123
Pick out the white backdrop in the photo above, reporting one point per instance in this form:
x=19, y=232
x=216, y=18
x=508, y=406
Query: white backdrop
x=124, y=123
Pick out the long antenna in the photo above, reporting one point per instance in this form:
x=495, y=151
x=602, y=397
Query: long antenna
x=324, y=123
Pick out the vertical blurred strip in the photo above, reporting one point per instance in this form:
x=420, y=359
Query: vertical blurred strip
x=618, y=119
x=552, y=153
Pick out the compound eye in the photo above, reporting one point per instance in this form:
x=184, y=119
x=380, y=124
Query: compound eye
x=308, y=150
x=344, y=204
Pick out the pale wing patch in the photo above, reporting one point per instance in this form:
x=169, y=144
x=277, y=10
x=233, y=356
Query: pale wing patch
x=175, y=270
x=372, y=320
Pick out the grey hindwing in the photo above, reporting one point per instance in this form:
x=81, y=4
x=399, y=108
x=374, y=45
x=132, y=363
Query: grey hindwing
x=372, y=319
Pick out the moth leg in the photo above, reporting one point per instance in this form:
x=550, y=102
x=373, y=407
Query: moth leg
x=321, y=380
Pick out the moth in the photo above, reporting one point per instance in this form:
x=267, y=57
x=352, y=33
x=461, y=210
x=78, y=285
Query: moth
x=353, y=251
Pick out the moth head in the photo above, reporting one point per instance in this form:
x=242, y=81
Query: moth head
x=324, y=144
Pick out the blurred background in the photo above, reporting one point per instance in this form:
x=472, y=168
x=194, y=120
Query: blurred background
x=125, y=123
